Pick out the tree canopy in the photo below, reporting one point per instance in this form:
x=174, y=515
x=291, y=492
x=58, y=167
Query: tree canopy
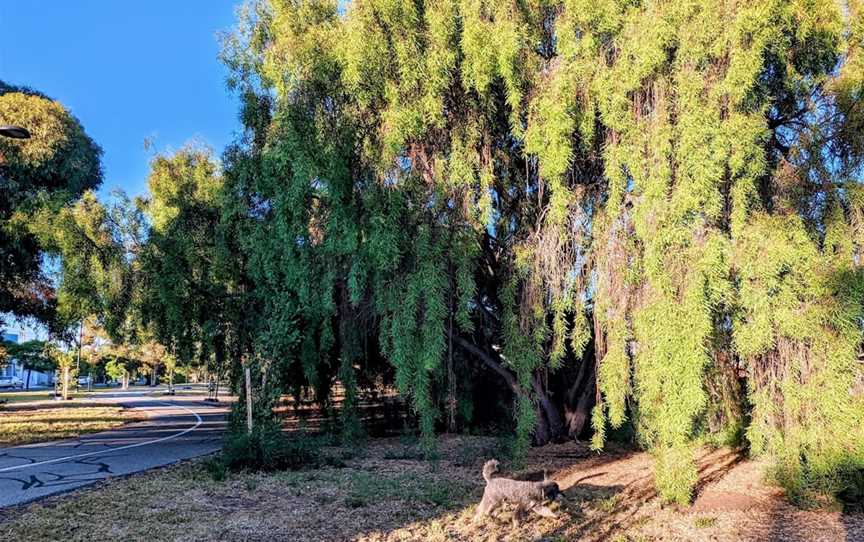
x=666, y=194
x=52, y=168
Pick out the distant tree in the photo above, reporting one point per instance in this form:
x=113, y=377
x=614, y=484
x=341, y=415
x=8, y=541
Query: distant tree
x=122, y=364
x=152, y=357
x=170, y=363
x=33, y=356
x=95, y=348
x=64, y=361
x=4, y=355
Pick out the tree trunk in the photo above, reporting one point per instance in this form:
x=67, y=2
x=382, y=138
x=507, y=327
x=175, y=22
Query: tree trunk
x=66, y=383
x=27, y=384
x=125, y=381
x=549, y=423
x=579, y=400
x=548, y=412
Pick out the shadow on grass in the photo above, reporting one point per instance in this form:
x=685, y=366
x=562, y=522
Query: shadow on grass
x=13, y=408
x=69, y=420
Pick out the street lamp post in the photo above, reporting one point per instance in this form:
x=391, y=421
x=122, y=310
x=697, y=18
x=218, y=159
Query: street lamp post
x=14, y=132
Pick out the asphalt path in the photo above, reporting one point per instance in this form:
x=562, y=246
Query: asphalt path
x=177, y=427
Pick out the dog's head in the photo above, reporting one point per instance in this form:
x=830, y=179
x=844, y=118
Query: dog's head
x=550, y=490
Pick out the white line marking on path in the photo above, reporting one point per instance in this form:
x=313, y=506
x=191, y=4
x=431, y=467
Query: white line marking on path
x=128, y=446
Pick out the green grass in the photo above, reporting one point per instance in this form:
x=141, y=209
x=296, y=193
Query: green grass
x=368, y=488
x=24, y=396
x=704, y=522
x=609, y=504
x=28, y=396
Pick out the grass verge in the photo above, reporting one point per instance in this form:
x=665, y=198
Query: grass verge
x=52, y=422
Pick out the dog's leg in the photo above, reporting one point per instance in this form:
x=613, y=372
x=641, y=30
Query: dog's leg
x=518, y=514
x=482, y=509
x=486, y=506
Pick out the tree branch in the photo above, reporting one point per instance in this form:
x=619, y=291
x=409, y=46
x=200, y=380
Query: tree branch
x=489, y=361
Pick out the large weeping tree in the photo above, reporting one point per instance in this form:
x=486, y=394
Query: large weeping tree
x=395, y=207
x=651, y=206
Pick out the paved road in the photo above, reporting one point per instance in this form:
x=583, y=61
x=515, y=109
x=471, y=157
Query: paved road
x=177, y=428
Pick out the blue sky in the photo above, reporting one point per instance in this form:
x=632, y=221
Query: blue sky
x=129, y=70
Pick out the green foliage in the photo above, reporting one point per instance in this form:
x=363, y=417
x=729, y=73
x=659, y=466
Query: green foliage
x=31, y=354
x=190, y=292
x=689, y=111
x=642, y=161
x=118, y=368
x=423, y=186
x=97, y=245
x=52, y=168
x=267, y=448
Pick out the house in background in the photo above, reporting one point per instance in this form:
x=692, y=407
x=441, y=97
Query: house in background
x=14, y=368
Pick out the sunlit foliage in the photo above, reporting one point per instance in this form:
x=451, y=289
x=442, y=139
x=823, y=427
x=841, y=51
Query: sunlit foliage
x=52, y=168
x=675, y=184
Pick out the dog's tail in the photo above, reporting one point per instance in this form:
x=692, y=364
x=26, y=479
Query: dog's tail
x=489, y=468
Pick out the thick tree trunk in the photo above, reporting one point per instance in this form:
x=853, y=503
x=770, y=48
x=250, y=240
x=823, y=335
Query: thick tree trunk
x=548, y=412
x=550, y=426
x=579, y=400
x=27, y=384
x=542, y=433
x=490, y=362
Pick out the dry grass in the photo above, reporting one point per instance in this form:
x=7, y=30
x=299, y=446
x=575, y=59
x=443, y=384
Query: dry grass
x=23, y=425
x=29, y=396
x=387, y=494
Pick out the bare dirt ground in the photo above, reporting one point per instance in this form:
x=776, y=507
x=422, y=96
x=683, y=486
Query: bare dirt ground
x=386, y=492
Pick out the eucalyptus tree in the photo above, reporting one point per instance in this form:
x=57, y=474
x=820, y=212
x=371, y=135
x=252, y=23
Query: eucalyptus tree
x=52, y=168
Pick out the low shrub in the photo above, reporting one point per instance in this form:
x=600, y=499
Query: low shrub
x=810, y=489
x=267, y=448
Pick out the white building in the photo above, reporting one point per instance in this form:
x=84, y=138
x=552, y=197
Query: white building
x=14, y=368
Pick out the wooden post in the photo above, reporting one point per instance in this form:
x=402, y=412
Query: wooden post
x=248, y=400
